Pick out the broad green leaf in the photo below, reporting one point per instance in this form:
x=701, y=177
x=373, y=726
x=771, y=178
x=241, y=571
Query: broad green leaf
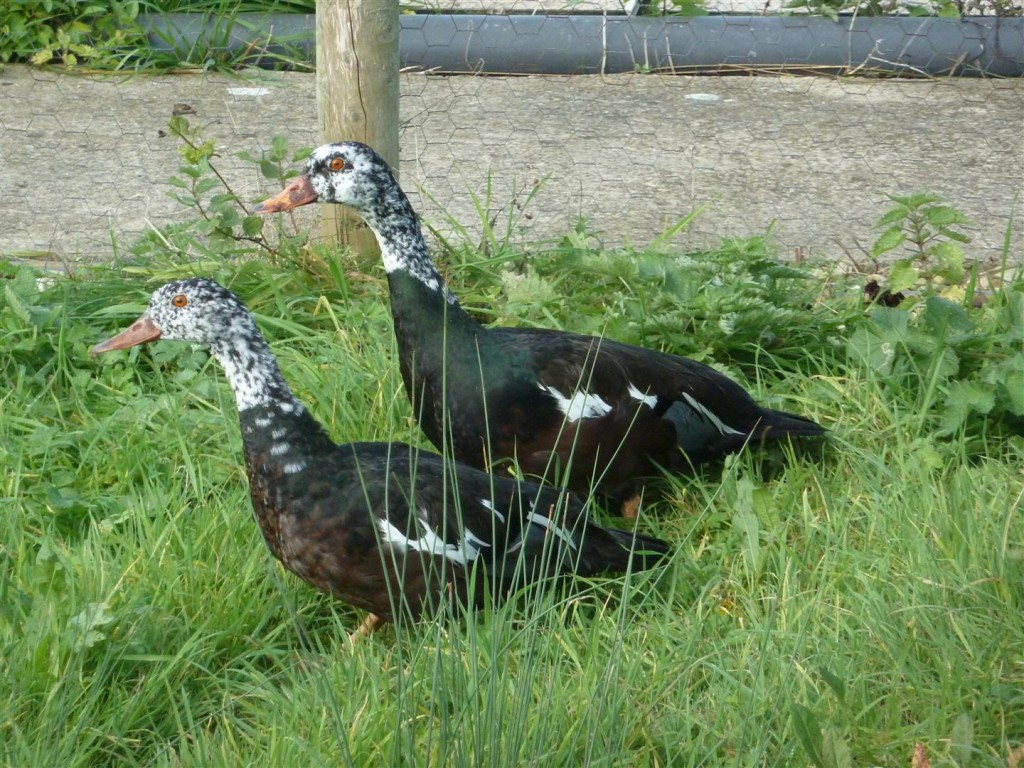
x=902, y=276
x=944, y=215
x=916, y=200
x=947, y=365
x=808, y=733
x=269, y=170
x=746, y=524
x=205, y=185
x=892, y=216
x=959, y=237
x=252, y=225
x=84, y=629
x=962, y=399
x=866, y=347
x=887, y=241
x=961, y=742
x=834, y=682
x=17, y=305
x=1011, y=316
x=1010, y=377
x=223, y=198
x=943, y=317
x=834, y=750
x=951, y=262
x=970, y=395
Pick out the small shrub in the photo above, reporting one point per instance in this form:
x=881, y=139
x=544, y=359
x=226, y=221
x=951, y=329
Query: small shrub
x=223, y=225
x=928, y=228
x=962, y=364
x=69, y=32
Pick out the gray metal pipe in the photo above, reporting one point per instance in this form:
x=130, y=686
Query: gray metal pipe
x=578, y=44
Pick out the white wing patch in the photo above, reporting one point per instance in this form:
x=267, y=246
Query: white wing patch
x=649, y=400
x=430, y=543
x=721, y=426
x=580, y=406
x=489, y=506
x=293, y=468
x=546, y=523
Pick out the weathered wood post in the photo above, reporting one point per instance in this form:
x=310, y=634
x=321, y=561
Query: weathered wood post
x=357, y=94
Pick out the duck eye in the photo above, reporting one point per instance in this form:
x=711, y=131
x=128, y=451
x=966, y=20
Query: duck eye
x=336, y=164
x=180, y=300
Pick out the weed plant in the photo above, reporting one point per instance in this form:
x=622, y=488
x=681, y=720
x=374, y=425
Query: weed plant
x=851, y=608
x=110, y=35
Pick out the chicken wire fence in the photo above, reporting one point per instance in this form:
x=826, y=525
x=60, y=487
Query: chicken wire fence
x=624, y=156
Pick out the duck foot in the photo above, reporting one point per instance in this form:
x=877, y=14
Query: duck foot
x=370, y=623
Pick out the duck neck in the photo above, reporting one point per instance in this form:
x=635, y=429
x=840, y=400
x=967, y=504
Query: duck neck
x=280, y=436
x=415, y=284
x=252, y=371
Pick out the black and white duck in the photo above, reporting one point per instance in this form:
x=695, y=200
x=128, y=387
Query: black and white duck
x=377, y=525
x=602, y=414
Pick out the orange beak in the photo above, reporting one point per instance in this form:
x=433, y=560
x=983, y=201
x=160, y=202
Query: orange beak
x=139, y=332
x=299, y=192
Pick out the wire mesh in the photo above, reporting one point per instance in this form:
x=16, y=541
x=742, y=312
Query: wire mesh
x=623, y=157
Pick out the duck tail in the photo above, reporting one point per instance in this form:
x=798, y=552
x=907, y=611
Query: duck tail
x=778, y=424
x=635, y=551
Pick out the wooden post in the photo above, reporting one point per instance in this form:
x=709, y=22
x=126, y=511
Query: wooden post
x=357, y=94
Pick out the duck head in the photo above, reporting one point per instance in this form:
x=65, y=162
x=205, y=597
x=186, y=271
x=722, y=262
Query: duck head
x=348, y=172
x=197, y=310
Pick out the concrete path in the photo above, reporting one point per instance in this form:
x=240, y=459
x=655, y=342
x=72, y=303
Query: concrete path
x=83, y=160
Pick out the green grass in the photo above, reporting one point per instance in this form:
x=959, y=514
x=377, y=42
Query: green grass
x=831, y=610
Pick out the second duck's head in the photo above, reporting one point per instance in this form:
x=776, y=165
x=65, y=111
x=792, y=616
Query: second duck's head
x=348, y=172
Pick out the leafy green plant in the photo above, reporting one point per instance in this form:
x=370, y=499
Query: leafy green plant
x=923, y=224
x=962, y=368
x=216, y=37
x=223, y=225
x=833, y=8
x=954, y=354
x=675, y=8
x=235, y=6
x=69, y=32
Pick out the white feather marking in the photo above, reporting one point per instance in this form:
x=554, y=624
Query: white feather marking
x=473, y=540
x=649, y=400
x=489, y=506
x=261, y=421
x=430, y=543
x=294, y=467
x=279, y=449
x=580, y=406
x=547, y=524
x=721, y=426
x=278, y=433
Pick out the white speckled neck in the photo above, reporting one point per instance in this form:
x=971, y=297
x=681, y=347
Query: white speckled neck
x=254, y=375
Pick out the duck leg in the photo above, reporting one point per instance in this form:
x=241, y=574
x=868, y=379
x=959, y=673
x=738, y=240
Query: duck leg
x=367, y=628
